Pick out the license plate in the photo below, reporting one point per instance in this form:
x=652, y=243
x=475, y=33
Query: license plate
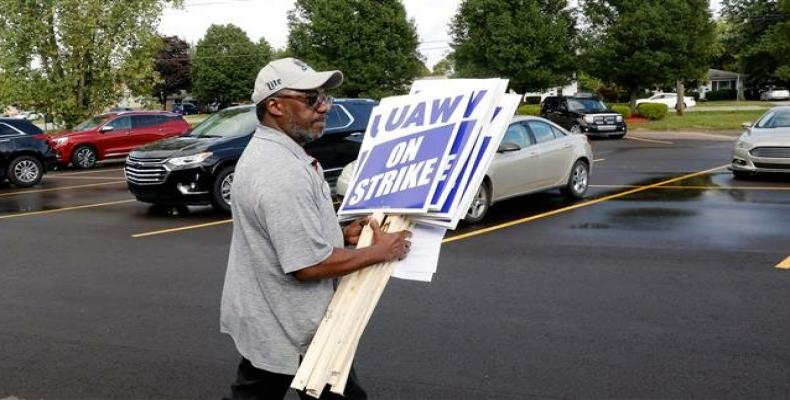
x=606, y=127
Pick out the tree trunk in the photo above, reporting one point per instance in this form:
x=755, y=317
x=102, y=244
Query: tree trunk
x=680, y=103
x=632, y=103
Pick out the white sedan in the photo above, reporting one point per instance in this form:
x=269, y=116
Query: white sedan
x=535, y=155
x=765, y=146
x=670, y=99
x=775, y=94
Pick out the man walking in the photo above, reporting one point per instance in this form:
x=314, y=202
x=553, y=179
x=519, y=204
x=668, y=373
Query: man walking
x=287, y=245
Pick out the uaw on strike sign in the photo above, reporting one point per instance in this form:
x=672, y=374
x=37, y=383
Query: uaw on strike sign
x=426, y=153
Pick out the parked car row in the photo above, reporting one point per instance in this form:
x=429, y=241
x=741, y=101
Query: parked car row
x=197, y=169
x=25, y=155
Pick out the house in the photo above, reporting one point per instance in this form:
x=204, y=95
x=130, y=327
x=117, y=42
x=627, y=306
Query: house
x=722, y=80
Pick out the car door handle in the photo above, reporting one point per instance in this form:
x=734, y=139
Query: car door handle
x=356, y=134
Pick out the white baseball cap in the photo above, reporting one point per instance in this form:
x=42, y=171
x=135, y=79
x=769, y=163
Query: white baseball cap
x=290, y=73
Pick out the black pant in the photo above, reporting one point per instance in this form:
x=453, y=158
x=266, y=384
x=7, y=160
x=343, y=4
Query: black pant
x=257, y=384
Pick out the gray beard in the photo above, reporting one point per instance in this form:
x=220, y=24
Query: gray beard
x=300, y=134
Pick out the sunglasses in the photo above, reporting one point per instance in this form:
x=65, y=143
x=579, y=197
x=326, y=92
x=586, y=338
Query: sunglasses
x=310, y=99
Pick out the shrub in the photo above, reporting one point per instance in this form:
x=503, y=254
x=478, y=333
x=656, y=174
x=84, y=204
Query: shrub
x=724, y=94
x=532, y=99
x=622, y=109
x=653, y=111
x=529, y=109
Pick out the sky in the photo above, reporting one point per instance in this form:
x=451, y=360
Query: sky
x=268, y=19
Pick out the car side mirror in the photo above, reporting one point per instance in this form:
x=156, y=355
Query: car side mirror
x=508, y=146
x=746, y=125
x=106, y=128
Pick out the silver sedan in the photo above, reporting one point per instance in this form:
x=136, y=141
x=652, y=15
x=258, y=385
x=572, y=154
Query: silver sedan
x=535, y=155
x=764, y=146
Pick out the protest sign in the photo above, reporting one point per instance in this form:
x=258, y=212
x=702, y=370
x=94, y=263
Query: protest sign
x=406, y=146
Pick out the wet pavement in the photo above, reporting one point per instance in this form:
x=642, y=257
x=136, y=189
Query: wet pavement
x=665, y=292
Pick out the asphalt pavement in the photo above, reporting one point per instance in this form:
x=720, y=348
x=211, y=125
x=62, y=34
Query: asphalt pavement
x=661, y=285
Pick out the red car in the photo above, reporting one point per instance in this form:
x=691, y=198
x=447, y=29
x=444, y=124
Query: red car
x=114, y=135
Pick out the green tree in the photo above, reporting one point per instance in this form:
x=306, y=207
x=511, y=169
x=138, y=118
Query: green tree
x=777, y=43
x=174, y=65
x=756, y=34
x=531, y=42
x=444, y=67
x=226, y=63
x=633, y=43
x=372, y=42
x=72, y=58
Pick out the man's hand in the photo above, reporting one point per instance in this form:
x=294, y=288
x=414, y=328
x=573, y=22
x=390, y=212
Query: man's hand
x=352, y=231
x=391, y=246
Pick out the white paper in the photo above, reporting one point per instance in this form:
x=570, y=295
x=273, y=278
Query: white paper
x=423, y=258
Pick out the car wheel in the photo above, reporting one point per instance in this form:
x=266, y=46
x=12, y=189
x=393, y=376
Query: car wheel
x=84, y=157
x=480, y=205
x=25, y=171
x=220, y=191
x=741, y=175
x=578, y=181
x=576, y=129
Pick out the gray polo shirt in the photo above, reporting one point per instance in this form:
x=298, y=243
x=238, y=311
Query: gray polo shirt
x=283, y=221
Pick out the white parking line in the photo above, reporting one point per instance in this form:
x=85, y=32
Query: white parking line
x=648, y=140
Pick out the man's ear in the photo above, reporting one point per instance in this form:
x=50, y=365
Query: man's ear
x=274, y=108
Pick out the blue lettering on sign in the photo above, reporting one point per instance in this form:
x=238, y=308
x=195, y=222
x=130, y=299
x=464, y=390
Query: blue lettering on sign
x=406, y=116
x=464, y=132
x=400, y=173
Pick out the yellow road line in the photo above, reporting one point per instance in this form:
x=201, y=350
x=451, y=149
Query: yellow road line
x=183, y=228
x=784, y=264
x=59, y=188
x=96, y=171
x=648, y=140
x=699, y=187
x=599, y=160
x=27, y=214
x=579, y=205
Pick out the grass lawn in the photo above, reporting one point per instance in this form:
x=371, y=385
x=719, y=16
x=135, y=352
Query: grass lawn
x=701, y=121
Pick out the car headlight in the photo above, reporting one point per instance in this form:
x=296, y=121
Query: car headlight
x=589, y=119
x=742, y=144
x=619, y=118
x=180, y=162
x=60, y=141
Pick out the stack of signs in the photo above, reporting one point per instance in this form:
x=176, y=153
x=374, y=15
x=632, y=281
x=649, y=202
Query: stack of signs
x=425, y=154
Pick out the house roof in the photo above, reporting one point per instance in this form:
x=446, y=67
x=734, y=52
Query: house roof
x=721, y=74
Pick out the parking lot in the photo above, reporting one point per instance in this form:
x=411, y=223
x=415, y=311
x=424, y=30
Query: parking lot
x=662, y=284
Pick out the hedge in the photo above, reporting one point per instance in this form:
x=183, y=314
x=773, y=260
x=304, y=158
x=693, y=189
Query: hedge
x=724, y=94
x=529, y=109
x=622, y=109
x=653, y=111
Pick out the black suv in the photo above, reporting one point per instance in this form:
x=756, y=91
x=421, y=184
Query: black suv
x=25, y=155
x=583, y=114
x=197, y=168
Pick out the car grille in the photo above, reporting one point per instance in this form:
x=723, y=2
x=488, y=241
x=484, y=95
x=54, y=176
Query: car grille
x=771, y=152
x=145, y=171
x=772, y=166
x=606, y=120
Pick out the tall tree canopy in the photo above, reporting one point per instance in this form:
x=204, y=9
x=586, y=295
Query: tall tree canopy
x=174, y=65
x=372, y=42
x=71, y=58
x=226, y=63
x=639, y=44
x=759, y=38
x=531, y=42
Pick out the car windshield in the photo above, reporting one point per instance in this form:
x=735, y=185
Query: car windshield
x=775, y=119
x=90, y=123
x=586, y=105
x=227, y=123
